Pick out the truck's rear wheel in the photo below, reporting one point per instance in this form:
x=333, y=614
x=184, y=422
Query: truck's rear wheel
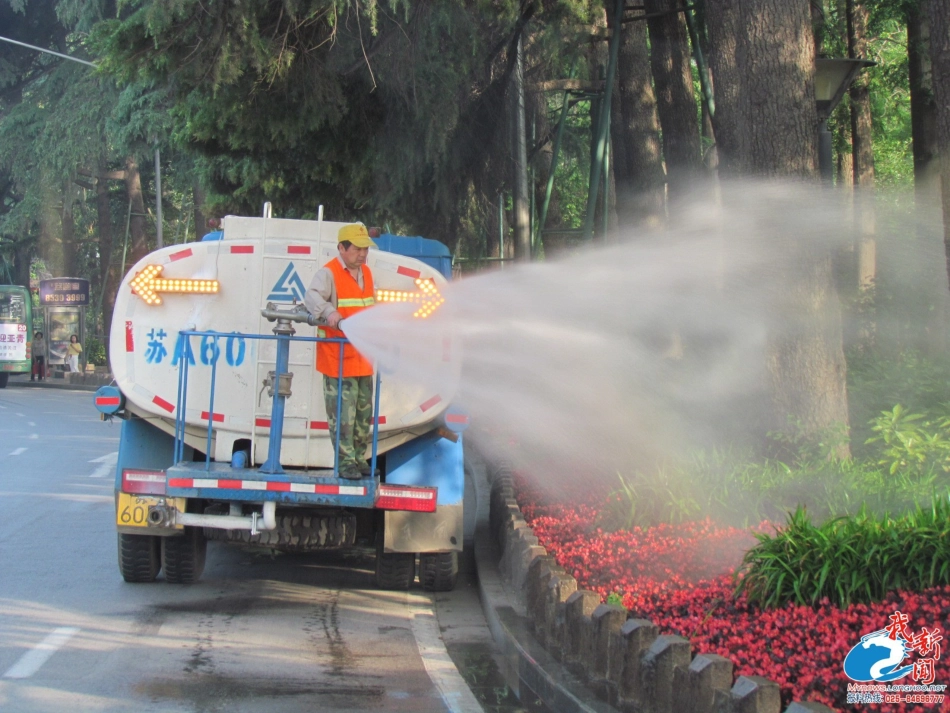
x=438, y=571
x=183, y=558
x=140, y=557
x=394, y=570
x=4, y=378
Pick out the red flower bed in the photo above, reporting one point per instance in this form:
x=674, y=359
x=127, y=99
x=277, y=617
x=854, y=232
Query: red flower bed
x=681, y=578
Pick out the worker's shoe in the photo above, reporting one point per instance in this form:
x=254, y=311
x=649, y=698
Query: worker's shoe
x=365, y=471
x=350, y=473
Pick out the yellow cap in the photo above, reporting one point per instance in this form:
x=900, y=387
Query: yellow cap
x=357, y=234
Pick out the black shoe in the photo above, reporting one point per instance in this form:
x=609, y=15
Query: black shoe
x=365, y=471
x=350, y=473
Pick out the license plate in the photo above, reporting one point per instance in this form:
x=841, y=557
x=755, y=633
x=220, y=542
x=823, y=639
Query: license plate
x=132, y=510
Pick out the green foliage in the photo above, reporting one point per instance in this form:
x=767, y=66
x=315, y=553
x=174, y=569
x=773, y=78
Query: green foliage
x=644, y=500
x=849, y=559
x=906, y=462
x=877, y=381
x=384, y=111
x=799, y=444
x=911, y=443
x=615, y=599
x=95, y=352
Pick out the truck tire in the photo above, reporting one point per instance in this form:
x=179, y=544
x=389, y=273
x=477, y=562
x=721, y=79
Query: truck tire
x=4, y=378
x=394, y=570
x=183, y=558
x=438, y=571
x=140, y=557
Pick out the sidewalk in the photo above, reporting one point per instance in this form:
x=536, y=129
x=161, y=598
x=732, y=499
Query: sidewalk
x=73, y=381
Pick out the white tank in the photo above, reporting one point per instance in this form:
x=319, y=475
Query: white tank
x=259, y=260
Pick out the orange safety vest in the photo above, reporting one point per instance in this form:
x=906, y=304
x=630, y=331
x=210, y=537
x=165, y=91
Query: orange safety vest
x=350, y=299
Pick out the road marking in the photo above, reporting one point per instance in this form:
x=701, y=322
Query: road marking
x=33, y=660
x=17, y=451
x=106, y=465
x=438, y=664
x=30, y=423
x=34, y=436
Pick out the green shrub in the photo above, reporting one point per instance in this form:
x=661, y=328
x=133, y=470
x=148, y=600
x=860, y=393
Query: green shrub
x=95, y=352
x=911, y=443
x=876, y=382
x=849, y=559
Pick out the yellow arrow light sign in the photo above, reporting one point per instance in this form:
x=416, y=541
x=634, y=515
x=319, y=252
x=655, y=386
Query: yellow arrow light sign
x=148, y=283
x=428, y=295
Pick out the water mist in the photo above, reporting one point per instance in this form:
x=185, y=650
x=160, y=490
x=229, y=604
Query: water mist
x=621, y=355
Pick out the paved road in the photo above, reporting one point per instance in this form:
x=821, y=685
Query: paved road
x=257, y=633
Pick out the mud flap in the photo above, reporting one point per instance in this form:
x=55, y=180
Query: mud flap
x=430, y=461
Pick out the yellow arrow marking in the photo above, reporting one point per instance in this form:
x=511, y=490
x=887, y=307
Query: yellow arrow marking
x=428, y=295
x=148, y=283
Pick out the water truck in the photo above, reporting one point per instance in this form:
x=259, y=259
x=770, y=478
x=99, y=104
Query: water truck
x=224, y=432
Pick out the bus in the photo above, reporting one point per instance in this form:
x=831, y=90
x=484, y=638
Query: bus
x=16, y=320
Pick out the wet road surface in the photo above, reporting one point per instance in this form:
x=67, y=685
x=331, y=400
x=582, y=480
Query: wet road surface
x=259, y=632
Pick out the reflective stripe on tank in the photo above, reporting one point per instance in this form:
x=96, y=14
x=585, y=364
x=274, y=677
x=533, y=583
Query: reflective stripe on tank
x=420, y=410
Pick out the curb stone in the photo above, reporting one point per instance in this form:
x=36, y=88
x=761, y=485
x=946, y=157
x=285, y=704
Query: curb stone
x=535, y=677
x=645, y=672
x=50, y=384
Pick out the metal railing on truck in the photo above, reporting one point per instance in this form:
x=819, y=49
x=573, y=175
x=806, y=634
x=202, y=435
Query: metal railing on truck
x=283, y=335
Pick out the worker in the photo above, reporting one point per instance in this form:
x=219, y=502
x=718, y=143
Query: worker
x=341, y=288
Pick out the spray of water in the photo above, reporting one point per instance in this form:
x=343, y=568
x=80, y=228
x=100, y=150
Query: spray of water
x=621, y=355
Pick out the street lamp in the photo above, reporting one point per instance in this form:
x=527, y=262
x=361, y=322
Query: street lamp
x=832, y=79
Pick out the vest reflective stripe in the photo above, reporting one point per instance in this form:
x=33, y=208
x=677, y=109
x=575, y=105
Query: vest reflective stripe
x=356, y=302
x=350, y=300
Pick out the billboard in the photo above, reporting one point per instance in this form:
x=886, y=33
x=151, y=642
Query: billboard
x=64, y=292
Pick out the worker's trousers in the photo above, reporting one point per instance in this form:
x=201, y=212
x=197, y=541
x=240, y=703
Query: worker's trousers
x=356, y=416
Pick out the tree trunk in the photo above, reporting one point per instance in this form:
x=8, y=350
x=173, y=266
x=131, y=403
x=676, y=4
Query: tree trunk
x=201, y=219
x=49, y=241
x=133, y=187
x=923, y=116
x=923, y=110
x=106, y=270
x=676, y=101
x=68, y=229
x=634, y=129
x=763, y=62
x=862, y=148
x=762, y=58
x=22, y=252
x=940, y=51
x=818, y=24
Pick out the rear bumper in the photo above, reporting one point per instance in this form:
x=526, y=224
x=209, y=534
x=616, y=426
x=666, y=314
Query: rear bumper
x=223, y=483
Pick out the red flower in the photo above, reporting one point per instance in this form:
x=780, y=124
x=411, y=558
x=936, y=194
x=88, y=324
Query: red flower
x=681, y=577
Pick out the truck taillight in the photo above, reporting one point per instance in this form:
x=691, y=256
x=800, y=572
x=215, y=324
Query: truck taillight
x=143, y=482
x=404, y=497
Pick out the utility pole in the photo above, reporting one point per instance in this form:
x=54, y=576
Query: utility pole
x=522, y=223
x=159, y=241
